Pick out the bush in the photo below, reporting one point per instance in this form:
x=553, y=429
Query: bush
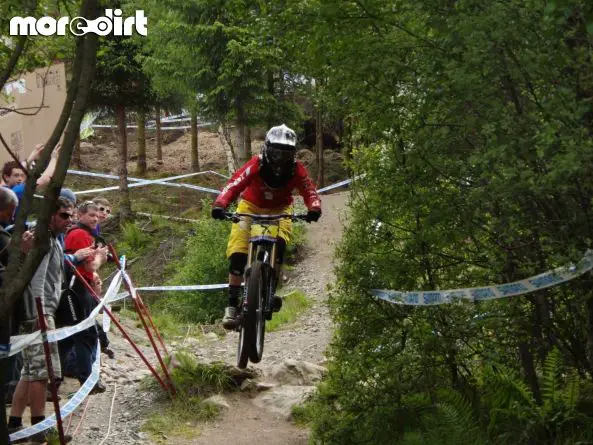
x=204, y=262
x=194, y=382
x=133, y=240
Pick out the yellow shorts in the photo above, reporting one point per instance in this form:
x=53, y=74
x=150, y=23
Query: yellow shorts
x=239, y=237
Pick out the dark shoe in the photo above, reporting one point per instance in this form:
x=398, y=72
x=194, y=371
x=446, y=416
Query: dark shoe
x=14, y=429
x=98, y=388
x=229, y=321
x=45, y=436
x=276, y=304
x=109, y=352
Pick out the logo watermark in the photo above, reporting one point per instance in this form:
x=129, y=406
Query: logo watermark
x=111, y=23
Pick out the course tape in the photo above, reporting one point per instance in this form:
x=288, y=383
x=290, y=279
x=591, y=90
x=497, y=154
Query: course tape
x=183, y=288
x=19, y=342
x=112, y=290
x=68, y=408
x=537, y=282
x=334, y=186
x=143, y=182
x=174, y=218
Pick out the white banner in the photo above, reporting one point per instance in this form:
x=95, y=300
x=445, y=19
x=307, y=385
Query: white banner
x=542, y=281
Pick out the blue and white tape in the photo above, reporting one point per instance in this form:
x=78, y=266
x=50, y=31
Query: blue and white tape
x=184, y=288
x=334, y=186
x=339, y=184
x=144, y=182
x=68, y=408
x=20, y=342
x=542, y=281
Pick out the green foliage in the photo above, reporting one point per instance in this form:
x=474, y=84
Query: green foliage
x=472, y=124
x=294, y=304
x=200, y=379
x=194, y=382
x=134, y=241
x=218, y=53
x=204, y=262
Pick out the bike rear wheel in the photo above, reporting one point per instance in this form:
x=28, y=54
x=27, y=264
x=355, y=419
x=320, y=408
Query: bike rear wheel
x=248, y=336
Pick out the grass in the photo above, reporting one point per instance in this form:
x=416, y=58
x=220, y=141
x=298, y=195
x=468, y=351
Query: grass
x=194, y=382
x=294, y=303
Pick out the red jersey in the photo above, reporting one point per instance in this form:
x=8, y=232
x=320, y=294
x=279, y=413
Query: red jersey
x=77, y=239
x=248, y=183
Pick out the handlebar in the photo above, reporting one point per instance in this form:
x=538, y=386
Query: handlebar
x=235, y=217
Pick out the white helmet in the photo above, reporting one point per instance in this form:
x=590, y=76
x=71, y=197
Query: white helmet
x=279, y=151
x=281, y=135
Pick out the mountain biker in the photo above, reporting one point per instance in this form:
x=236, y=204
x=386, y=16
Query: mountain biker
x=265, y=185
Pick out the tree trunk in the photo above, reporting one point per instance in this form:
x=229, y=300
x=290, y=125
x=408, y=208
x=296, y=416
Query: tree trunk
x=141, y=140
x=195, y=162
x=241, y=146
x=125, y=207
x=21, y=272
x=319, y=146
x=159, y=137
x=527, y=363
x=248, y=142
x=271, y=92
x=228, y=149
x=77, y=154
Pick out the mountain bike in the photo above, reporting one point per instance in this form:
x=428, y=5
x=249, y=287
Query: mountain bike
x=260, y=278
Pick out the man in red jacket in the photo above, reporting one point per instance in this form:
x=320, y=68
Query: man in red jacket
x=265, y=185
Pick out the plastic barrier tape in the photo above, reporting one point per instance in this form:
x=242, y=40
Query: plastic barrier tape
x=537, y=282
x=68, y=408
x=184, y=288
x=143, y=182
x=334, y=186
x=19, y=342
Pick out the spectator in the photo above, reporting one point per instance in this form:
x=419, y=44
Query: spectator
x=46, y=283
x=8, y=204
x=104, y=212
x=13, y=173
x=81, y=348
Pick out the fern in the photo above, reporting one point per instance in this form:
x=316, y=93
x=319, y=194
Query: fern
x=550, y=385
x=571, y=393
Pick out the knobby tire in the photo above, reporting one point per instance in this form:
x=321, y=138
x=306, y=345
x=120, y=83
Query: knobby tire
x=248, y=333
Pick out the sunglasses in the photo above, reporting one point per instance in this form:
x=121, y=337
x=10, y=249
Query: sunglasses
x=105, y=209
x=65, y=215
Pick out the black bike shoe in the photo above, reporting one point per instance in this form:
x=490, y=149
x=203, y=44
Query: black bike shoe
x=98, y=388
x=229, y=321
x=276, y=304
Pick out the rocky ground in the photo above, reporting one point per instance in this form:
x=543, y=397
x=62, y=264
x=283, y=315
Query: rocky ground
x=292, y=364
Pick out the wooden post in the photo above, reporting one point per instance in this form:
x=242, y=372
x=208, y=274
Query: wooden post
x=50, y=369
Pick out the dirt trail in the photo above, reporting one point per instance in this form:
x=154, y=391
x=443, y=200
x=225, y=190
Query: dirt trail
x=244, y=422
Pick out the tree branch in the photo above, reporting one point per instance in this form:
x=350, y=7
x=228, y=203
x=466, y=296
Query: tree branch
x=72, y=114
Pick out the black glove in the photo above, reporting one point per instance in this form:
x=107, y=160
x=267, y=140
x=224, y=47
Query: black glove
x=218, y=213
x=313, y=215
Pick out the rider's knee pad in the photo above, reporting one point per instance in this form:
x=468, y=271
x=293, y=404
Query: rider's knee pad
x=237, y=263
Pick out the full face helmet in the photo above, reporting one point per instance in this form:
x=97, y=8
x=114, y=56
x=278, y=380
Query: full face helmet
x=279, y=152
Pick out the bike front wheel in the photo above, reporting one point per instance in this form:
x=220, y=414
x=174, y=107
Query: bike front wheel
x=250, y=337
x=257, y=351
